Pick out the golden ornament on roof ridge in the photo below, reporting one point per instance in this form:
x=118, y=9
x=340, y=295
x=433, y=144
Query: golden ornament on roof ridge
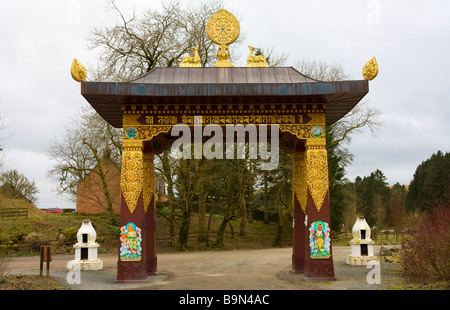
x=223, y=28
x=370, y=69
x=78, y=71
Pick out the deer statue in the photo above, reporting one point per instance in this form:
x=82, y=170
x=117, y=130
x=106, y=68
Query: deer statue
x=190, y=61
x=256, y=61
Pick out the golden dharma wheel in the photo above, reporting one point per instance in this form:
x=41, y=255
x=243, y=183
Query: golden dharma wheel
x=223, y=27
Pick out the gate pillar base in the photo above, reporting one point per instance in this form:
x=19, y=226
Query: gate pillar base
x=320, y=270
x=131, y=272
x=298, y=264
x=152, y=269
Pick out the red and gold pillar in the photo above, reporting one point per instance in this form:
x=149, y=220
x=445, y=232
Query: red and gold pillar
x=312, y=253
x=318, y=251
x=132, y=264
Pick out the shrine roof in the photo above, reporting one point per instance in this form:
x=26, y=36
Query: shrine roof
x=237, y=85
x=237, y=75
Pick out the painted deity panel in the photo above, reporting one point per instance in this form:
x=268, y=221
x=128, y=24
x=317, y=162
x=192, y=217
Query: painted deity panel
x=130, y=243
x=319, y=240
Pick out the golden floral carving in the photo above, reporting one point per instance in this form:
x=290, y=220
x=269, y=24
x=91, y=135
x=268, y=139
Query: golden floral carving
x=147, y=132
x=301, y=131
x=299, y=188
x=317, y=171
x=131, y=179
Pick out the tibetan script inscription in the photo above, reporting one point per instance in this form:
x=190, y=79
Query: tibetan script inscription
x=242, y=119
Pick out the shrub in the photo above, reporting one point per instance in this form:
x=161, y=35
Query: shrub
x=33, y=241
x=426, y=252
x=3, y=262
x=70, y=234
x=115, y=230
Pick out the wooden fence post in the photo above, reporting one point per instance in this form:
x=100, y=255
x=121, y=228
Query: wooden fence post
x=45, y=256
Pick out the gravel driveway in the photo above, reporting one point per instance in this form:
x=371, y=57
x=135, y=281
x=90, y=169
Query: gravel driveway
x=266, y=269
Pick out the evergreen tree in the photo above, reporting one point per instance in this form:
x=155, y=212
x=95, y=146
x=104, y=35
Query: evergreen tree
x=374, y=196
x=396, y=211
x=430, y=186
x=337, y=160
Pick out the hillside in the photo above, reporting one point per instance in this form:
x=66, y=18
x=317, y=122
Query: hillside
x=12, y=203
x=23, y=236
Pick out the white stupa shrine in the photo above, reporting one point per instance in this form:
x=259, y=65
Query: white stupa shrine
x=86, y=249
x=361, y=244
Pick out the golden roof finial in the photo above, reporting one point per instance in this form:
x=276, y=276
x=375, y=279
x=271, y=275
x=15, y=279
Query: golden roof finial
x=78, y=71
x=370, y=69
x=223, y=28
x=256, y=61
x=190, y=61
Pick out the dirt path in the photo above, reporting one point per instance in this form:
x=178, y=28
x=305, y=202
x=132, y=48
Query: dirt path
x=267, y=269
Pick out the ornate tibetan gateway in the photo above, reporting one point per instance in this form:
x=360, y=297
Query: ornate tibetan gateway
x=148, y=109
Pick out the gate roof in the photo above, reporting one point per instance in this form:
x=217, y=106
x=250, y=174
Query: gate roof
x=237, y=85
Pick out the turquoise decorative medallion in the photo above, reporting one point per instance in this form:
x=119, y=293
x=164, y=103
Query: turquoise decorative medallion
x=317, y=131
x=131, y=133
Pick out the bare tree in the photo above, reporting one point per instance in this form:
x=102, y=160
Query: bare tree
x=195, y=19
x=164, y=166
x=141, y=42
x=16, y=185
x=273, y=57
x=321, y=70
x=362, y=116
x=87, y=142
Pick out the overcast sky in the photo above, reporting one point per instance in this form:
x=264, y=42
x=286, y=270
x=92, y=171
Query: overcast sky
x=410, y=39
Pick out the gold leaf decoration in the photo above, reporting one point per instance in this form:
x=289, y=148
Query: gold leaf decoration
x=370, y=69
x=257, y=60
x=301, y=131
x=317, y=174
x=131, y=179
x=299, y=188
x=147, y=132
x=78, y=71
x=192, y=61
x=223, y=27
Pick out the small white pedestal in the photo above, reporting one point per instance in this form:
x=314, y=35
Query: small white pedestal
x=86, y=249
x=361, y=244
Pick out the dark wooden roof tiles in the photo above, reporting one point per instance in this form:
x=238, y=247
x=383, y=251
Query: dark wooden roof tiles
x=223, y=85
x=240, y=75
